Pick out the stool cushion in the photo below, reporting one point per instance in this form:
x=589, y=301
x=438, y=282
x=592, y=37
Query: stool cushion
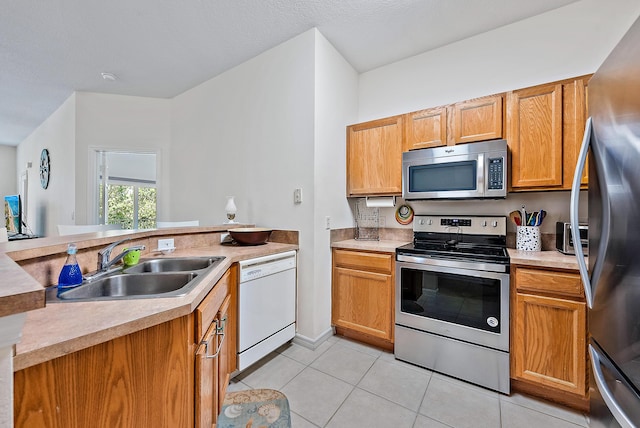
x=255, y=408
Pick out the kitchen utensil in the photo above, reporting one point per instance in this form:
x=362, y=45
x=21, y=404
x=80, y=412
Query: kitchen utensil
x=250, y=235
x=515, y=217
x=543, y=214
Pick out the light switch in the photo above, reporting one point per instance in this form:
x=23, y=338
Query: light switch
x=297, y=196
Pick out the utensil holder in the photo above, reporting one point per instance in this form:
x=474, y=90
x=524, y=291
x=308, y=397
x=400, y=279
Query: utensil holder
x=528, y=238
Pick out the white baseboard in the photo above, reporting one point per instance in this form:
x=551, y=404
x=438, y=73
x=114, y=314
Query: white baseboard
x=313, y=343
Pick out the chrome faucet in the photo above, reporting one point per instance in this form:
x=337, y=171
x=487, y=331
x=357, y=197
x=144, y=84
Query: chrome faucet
x=103, y=258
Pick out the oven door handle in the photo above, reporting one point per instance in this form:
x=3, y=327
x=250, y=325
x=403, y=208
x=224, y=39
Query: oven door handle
x=469, y=265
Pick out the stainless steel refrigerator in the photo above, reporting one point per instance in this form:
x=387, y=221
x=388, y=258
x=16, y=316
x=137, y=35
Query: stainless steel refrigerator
x=612, y=281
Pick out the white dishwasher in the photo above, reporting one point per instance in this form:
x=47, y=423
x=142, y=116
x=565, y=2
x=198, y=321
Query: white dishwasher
x=266, y=306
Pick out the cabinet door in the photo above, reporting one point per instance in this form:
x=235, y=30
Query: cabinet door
x=206, y=379
x=477, y=120
x=225, y=352
x=426, y=128
x=374, y=157
x=363, y=302
x=534, y=135
x=575, y=102
x=549, y=342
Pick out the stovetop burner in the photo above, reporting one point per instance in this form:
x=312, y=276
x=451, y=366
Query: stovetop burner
x=458, y=251
x=470, y=238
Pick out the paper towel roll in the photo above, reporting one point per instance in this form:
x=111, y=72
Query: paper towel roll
x=381, y=202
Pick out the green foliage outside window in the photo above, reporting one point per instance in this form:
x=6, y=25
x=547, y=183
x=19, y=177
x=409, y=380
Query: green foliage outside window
x=121, y=206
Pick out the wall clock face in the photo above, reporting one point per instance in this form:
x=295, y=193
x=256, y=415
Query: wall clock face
x=45, y=169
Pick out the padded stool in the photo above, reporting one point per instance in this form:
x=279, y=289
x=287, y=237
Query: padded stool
x=255, y=408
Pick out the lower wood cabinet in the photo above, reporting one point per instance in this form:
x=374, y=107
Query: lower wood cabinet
x=363, y=295
x=549, y=335
x=143, y=379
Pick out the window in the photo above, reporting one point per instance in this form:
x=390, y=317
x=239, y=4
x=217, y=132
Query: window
x=127, y=193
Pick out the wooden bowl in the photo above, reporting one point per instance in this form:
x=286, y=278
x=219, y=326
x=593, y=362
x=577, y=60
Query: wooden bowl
x=250, y=235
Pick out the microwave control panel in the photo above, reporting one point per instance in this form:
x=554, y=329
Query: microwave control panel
x=496, y=173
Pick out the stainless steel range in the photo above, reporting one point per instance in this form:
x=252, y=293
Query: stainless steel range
x=452, y=299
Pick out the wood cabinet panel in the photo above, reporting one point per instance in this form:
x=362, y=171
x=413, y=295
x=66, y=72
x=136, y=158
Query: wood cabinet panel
x=207, y=382
x=548, y=281
x=365, y=261
x=374, y=157
x=550, y=346
x=225, y=352
x=362, y=295
x=232, y=316
x=477, y=120
x=534, y=135
x=426, y=128
x=142, y=379
x=208, y=308
x=575, y=102
x=362, y=301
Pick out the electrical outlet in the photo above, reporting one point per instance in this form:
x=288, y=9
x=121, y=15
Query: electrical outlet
x=297, y=196
x=165, y=244
x=382, y=221
x=327, y=222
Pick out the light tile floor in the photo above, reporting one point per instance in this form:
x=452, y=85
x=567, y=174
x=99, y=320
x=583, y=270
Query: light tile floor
x=346, y=384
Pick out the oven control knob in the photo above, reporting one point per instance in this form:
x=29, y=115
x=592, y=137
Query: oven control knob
x=421, y=221
x=430, y=222
x=492, y=321
x=494, y=224
x=484, y=223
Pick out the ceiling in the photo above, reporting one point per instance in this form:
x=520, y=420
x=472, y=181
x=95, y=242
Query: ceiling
x=160, y=48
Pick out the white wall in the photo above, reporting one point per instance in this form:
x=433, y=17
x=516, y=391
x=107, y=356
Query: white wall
x=119, y=122
x=47, y=208
x=8, y=170
x=250, y=133
x=566, y=42
x=336, y=84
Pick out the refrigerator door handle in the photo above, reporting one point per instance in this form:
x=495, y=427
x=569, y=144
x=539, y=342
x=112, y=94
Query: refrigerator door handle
x=606, y=393
x=575, y=199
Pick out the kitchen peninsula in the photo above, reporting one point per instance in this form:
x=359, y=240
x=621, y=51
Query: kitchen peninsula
x=126, y=334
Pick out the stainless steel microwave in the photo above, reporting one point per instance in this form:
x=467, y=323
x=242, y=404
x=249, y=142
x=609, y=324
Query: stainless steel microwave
x=464, y=171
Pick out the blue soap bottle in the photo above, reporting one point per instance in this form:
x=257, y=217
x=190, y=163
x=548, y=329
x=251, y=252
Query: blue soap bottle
x=70, y=275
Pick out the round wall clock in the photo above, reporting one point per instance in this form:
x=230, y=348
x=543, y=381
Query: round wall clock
x=45, y=168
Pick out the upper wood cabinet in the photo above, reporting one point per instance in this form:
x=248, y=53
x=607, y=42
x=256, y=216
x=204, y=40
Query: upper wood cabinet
x=426, y=128
x=575, y=102
x=374, y=157
x=545, y=126
x=534, y=135
x=479, y=119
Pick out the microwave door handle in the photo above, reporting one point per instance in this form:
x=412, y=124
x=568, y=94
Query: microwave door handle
x=575, y=201
x=480, y=177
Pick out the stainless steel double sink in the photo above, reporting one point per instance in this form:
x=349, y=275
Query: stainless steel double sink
x=150, y=278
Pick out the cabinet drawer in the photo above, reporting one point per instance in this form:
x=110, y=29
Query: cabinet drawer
x=549, y=281
x=207, y=310
x=365, y=261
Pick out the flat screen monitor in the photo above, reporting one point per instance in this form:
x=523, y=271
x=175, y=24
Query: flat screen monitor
x=13, y=214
